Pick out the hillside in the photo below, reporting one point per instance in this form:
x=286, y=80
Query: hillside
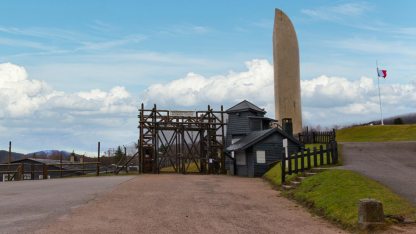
x=377, y=133
x=5, y=154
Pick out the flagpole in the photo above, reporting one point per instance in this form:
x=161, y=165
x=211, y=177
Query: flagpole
x=379, y=96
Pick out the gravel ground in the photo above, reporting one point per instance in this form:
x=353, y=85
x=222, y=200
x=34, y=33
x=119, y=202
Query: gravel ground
x=191, y=204
x=27, y=205
x=391, y=163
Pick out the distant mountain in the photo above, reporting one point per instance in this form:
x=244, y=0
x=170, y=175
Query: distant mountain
x=4, y=156
x=52, y=154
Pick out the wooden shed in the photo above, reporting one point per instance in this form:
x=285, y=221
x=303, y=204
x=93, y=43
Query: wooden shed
x=252, y=143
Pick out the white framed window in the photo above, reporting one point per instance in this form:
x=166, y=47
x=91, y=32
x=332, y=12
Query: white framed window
x=261, y=156
x=240, y=158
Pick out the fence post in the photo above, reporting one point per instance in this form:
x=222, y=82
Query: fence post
x=315, y=159
x=309, y=158
x=289, y=164
x=334, y=152
x=283, y=167
x=328, y=154
x=45, y=171
x=9, y=160
x=302, y=162
x=98, y=158
x=22, y=171
x=60, y=162
x=321, y=152
x=32, y=171
x=296, y=163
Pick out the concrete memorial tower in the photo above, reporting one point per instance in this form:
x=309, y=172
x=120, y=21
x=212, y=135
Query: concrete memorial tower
x=286, y=71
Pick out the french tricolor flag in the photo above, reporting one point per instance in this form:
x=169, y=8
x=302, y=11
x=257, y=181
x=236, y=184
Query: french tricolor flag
x=382, y=73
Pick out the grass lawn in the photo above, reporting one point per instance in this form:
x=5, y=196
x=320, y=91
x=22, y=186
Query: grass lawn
x=377, y=133
x=274, y=174
x=191, y=169
x=335, y=194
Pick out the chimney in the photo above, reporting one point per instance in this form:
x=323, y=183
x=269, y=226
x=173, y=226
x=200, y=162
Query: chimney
x=287, y=126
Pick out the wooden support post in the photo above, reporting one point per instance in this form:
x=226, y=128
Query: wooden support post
x=315, y=159
x=328, y=154
x=125, y=156
x=45, y=172
x=335, y=152
x=9, y=160
x=296, y=162
x=321, y=152
x=98, y=159
x=283, y=166
x=309, y=158
x=302, y=162
x=60, y=162
x=22, y=171
x=32, y=171
x=141, y=139
x=223, y=169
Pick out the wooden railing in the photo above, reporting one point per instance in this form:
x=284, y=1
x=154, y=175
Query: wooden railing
x=317, y=137
x=306, y=159
x=21, y=171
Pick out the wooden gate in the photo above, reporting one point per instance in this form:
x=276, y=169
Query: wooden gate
x=181, y=141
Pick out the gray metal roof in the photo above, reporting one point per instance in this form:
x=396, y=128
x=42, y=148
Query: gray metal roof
x=256, y=136
x=244, y=106
x=41, y=160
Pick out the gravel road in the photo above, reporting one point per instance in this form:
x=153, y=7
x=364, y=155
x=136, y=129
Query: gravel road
x=191, y=204
x=27, y=205
x=391, y=163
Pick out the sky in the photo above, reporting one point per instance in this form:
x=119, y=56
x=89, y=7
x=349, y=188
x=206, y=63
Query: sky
x=73, y=73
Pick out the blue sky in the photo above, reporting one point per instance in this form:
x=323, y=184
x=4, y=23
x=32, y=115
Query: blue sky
x=83, y=67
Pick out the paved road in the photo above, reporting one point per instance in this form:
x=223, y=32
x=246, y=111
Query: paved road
x=391, y=163
x=191, y=204
x=27, y=205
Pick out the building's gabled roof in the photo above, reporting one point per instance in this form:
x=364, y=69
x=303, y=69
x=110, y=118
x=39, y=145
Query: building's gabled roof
x=41, y=161
x=245, y=106
x=256, y=136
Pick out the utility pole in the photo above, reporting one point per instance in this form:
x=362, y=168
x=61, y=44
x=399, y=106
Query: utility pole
x=98, y=159
x=9, y=160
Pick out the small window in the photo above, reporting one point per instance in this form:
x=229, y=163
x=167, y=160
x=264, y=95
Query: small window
x=261, y=156
x=240, y=158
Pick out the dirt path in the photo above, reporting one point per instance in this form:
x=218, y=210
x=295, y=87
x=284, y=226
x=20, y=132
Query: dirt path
x=390, y=163
x=27, y=205
x=191, y=204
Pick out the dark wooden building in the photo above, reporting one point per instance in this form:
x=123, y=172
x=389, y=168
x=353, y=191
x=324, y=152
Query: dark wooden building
x=252, y=143
x=37, y=168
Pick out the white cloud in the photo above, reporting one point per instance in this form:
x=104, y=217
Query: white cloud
x=326, y=100
x=20, y=96
x=185, y=29
x=338, y=11
x=57, y=119
x=255, y=83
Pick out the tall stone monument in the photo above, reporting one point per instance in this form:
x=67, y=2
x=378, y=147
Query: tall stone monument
x=286, y=71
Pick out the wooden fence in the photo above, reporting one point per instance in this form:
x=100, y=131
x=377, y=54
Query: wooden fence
x=306, y=159
x=32, y=171
x=315, y=137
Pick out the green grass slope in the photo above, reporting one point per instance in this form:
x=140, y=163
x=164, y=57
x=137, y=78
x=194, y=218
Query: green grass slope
x=377, y=133
x=335, y=194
